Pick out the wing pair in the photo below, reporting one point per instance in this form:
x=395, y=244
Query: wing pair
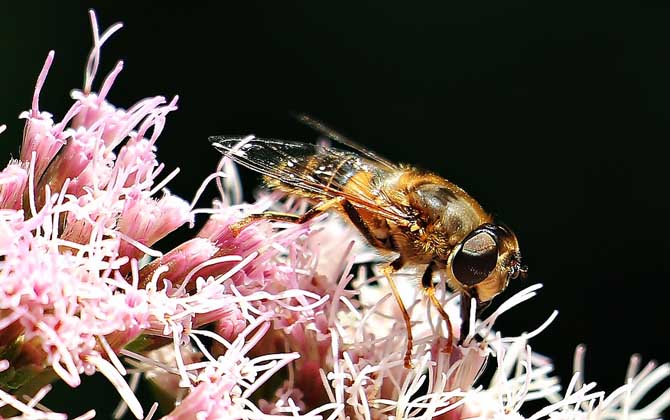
x=313, y=169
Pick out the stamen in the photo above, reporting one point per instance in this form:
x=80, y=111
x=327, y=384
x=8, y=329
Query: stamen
x=35, y=109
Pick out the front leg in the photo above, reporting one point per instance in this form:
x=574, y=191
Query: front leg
x=275, y=216
x=429, y=289
x=388, y=272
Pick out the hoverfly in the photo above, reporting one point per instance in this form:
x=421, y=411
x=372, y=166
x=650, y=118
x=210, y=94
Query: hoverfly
x=418, y=215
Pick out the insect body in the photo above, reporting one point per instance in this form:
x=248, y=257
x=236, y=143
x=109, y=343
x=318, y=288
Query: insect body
x=421, y=217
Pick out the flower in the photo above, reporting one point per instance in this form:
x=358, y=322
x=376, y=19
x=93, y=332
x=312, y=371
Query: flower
x=266, y=321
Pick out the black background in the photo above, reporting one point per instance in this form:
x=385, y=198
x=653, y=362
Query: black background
x=554, y=115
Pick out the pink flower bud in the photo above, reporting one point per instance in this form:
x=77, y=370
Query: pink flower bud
x=83, y=160
x=13, y=181
x=147, y=220
x=178, y=263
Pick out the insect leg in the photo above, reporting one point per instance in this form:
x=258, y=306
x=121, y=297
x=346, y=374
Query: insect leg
x=285, y=217
x=429, y=289
x=388, y=272
x=358, y=221
x=237, y=227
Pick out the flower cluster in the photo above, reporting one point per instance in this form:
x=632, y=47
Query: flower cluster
x=266, y=322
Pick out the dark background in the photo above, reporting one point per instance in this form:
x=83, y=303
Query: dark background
x=554, y=115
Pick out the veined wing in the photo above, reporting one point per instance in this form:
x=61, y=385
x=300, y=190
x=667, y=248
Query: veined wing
x=336, y=136
x=313, y=169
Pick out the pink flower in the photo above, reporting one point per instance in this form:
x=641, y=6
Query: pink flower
x=144, y=220
x=66, y=233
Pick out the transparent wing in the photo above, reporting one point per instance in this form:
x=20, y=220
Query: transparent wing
x=312, y=169
x=334, y=135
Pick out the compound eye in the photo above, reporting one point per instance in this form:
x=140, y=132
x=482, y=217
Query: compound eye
x=476, y=258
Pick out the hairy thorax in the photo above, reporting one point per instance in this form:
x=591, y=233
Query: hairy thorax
x=444, y=215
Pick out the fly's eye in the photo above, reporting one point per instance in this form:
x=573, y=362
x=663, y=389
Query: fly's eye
x=476, y=258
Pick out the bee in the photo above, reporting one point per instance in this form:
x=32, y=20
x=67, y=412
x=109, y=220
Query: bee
x=400, y=210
